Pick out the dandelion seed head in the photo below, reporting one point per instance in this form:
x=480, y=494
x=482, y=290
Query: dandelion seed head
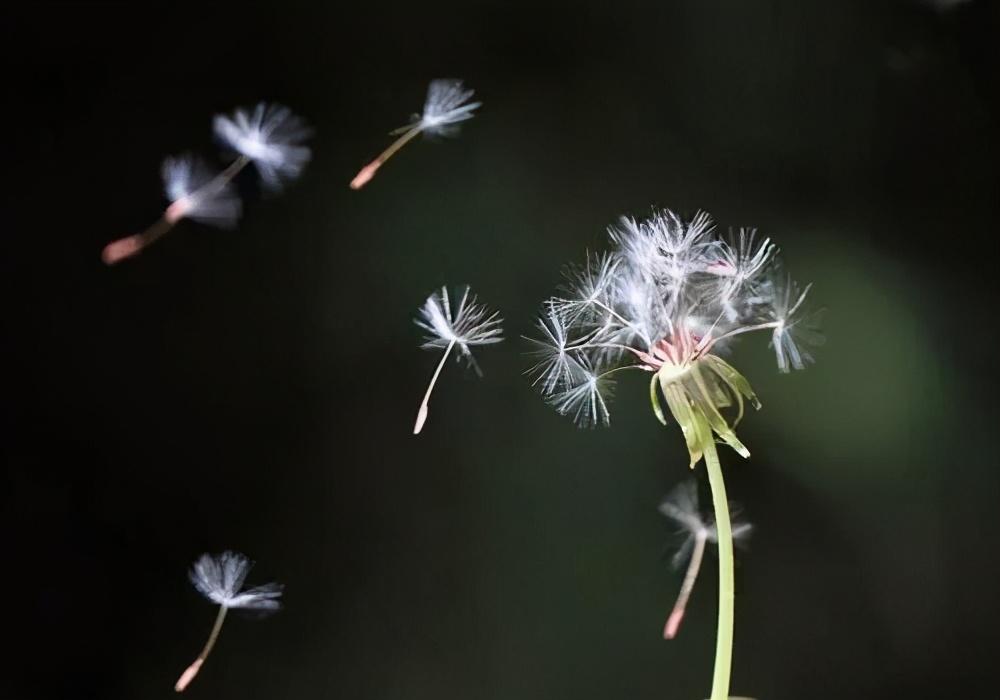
x=271, y=136
x=220, y=578
x=668, y=292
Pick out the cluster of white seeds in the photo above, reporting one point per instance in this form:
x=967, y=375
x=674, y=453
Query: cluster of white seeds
x=669, y=292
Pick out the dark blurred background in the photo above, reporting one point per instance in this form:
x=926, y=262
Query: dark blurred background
x=256, y=389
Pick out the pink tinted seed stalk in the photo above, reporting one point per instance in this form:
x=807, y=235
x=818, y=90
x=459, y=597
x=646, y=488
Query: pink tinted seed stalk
x=124, y=248
x=368, y=172
x=677, y=614
x=191, y=671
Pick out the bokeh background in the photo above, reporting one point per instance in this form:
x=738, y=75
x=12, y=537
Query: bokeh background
x=256, y=389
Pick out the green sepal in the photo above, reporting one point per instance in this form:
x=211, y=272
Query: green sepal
x=697, y=432
x=718, y=390
x=732, y=377
x=703, y=401
x=655, y=400
x=735, y=381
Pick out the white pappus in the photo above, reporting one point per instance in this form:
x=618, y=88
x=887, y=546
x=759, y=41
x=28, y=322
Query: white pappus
x=448, y=103
x=470, y=324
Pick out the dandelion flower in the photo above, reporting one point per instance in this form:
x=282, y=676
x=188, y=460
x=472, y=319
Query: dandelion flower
x=669, y=298
x=269, y=137
x=220, y=579
x=448, y=104
x=470, y=325
x=669, y=294
x=681, y=506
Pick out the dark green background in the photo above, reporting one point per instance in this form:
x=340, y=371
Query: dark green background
x=256, y=389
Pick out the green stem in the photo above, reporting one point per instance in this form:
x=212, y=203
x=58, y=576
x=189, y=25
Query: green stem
x=191, y=671
x=724, y=637
x=220, y=618
x=399, y=143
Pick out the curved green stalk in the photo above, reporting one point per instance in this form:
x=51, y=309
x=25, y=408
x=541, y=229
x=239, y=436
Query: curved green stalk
x=191, y=671
x=724, y=637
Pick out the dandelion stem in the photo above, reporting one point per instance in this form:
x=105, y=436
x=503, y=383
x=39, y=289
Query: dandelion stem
x=123, y=248
x=724, y=638
x=223, y=178
x=191, y=671
x=677, y=614
x=368, y=172
x=422, y=412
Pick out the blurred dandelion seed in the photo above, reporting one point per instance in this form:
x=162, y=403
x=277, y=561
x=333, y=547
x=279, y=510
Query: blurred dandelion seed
x=220, y=579
x=269, y=137
x=681, y=506
x=447, y=105
x=470, y=325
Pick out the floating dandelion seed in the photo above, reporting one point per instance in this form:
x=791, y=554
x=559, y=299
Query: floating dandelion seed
x=470, y=325
x=681, y=506
x=667, y=299
x=447, y=105
x=270, y=137
x=793, y=332
x=220, y=579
